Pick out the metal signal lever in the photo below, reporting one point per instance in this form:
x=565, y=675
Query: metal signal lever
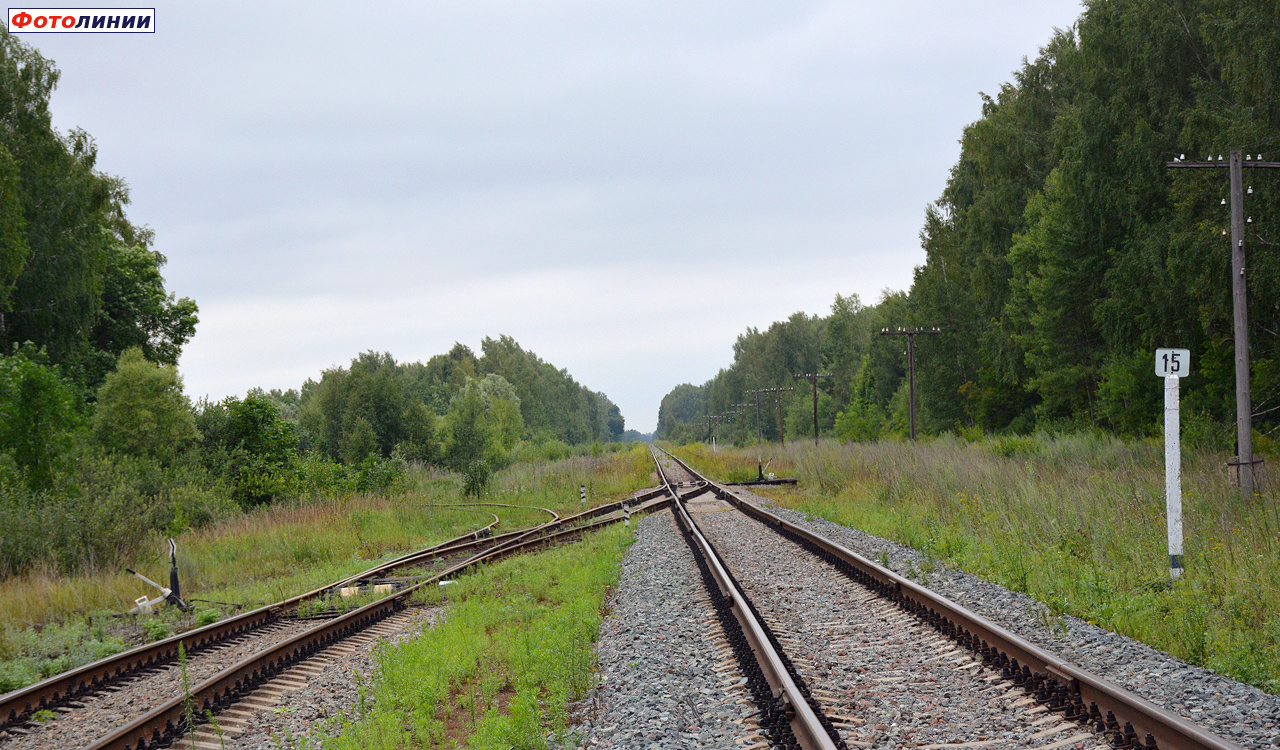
x=173, y=595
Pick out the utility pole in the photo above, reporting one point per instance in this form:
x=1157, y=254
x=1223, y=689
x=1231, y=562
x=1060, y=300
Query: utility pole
x=812, y=377
x=782, y=435
x=739, y=409
x=715, y=420
x=757, y=393
x=911, y=334
x=1240, y=329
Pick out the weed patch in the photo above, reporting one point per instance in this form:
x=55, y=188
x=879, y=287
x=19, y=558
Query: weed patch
x=515, y=648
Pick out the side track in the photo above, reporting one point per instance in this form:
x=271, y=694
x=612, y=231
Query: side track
x=259, y=645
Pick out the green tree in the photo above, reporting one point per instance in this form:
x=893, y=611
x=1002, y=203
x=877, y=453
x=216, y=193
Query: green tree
x=469, y=443
x=13, y=232
x=247, y=442
x=136, y=310
x=39, y=415
x=141, y=410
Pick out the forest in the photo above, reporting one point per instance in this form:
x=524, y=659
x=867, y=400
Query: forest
x=99, y=446
x=1062, y=252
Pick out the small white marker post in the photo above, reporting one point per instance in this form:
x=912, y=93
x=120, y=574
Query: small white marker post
x=582, y=494
x=1172, y=364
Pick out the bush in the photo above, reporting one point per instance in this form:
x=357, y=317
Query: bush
x=207, y=617
x=108, y=505
x=1015, y=446
x=476, y=477
x=156, y=629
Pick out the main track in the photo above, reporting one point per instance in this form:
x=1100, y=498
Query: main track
x=841, y=652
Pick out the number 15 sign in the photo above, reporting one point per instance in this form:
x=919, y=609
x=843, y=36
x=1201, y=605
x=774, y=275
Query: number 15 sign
x=1173, y=363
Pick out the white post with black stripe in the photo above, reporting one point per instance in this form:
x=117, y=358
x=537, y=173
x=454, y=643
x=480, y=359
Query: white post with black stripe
x=582, y=494
x=1173, y=364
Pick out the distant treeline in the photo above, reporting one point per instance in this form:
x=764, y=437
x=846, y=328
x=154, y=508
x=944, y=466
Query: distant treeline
x=1063, y=251
x=378, y=408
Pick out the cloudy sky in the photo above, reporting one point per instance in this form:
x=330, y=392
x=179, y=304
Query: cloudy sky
x=621, y=186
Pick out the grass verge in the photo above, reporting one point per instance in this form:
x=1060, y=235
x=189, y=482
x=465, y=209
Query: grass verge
x=1075, y=521
x=50, y=623
x=516, y=647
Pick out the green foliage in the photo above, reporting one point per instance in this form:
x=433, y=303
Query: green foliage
x=1063, y=251
x=141, y=410
x=104, y=506
x=247, y=442
x=550, y=400
x=136, y=311
x=525, y=626
x=380, y=407
x=14, y=250
x=76, y=278
x=39, y=413
x=475, y=477
x=156, y=629
x=468, y=433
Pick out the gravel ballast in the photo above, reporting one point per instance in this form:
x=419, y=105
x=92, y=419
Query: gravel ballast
x=93, y=716
x=665, y=678
x=1235, y=711
x=882, y=677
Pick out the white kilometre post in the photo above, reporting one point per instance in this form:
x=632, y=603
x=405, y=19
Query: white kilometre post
x=1172, y=365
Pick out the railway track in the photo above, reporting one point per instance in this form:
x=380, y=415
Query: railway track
x=146, y=697
x=841, y=652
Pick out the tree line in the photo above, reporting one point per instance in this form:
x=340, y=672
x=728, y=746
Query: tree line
x=99, y=446
x=1062, y=251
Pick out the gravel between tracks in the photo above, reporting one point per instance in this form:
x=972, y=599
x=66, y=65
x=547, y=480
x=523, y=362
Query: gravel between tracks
x=891, y=681
x=1233, y=710
x=309, y=715
x=658, y=655
x=94, y=716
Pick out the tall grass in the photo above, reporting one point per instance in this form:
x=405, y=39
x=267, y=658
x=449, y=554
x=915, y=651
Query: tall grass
x=51, y=621
x=516, y=647
x=1076, y=521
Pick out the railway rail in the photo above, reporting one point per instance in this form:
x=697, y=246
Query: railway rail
x=1034, y=698
x=791, y=622
x=285, y=640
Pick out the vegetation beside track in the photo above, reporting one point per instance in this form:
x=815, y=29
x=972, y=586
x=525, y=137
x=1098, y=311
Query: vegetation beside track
x=51, y=622
x=516, y=647
x=1076, y=521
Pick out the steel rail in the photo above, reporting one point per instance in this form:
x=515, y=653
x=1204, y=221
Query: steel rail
x=1119, y=714
x=169, y=721
x=54, y=691
x=804, y=721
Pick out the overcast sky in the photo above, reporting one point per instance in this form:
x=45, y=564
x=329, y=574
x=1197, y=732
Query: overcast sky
x=622, y=186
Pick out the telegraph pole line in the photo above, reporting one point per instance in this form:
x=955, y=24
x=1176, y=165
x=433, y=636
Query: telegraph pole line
x=757, y=393
x=782, y=434
x=911, y=334
x=1240, y=328
x=740, y=410
x=812, y=377
x=714, y=421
